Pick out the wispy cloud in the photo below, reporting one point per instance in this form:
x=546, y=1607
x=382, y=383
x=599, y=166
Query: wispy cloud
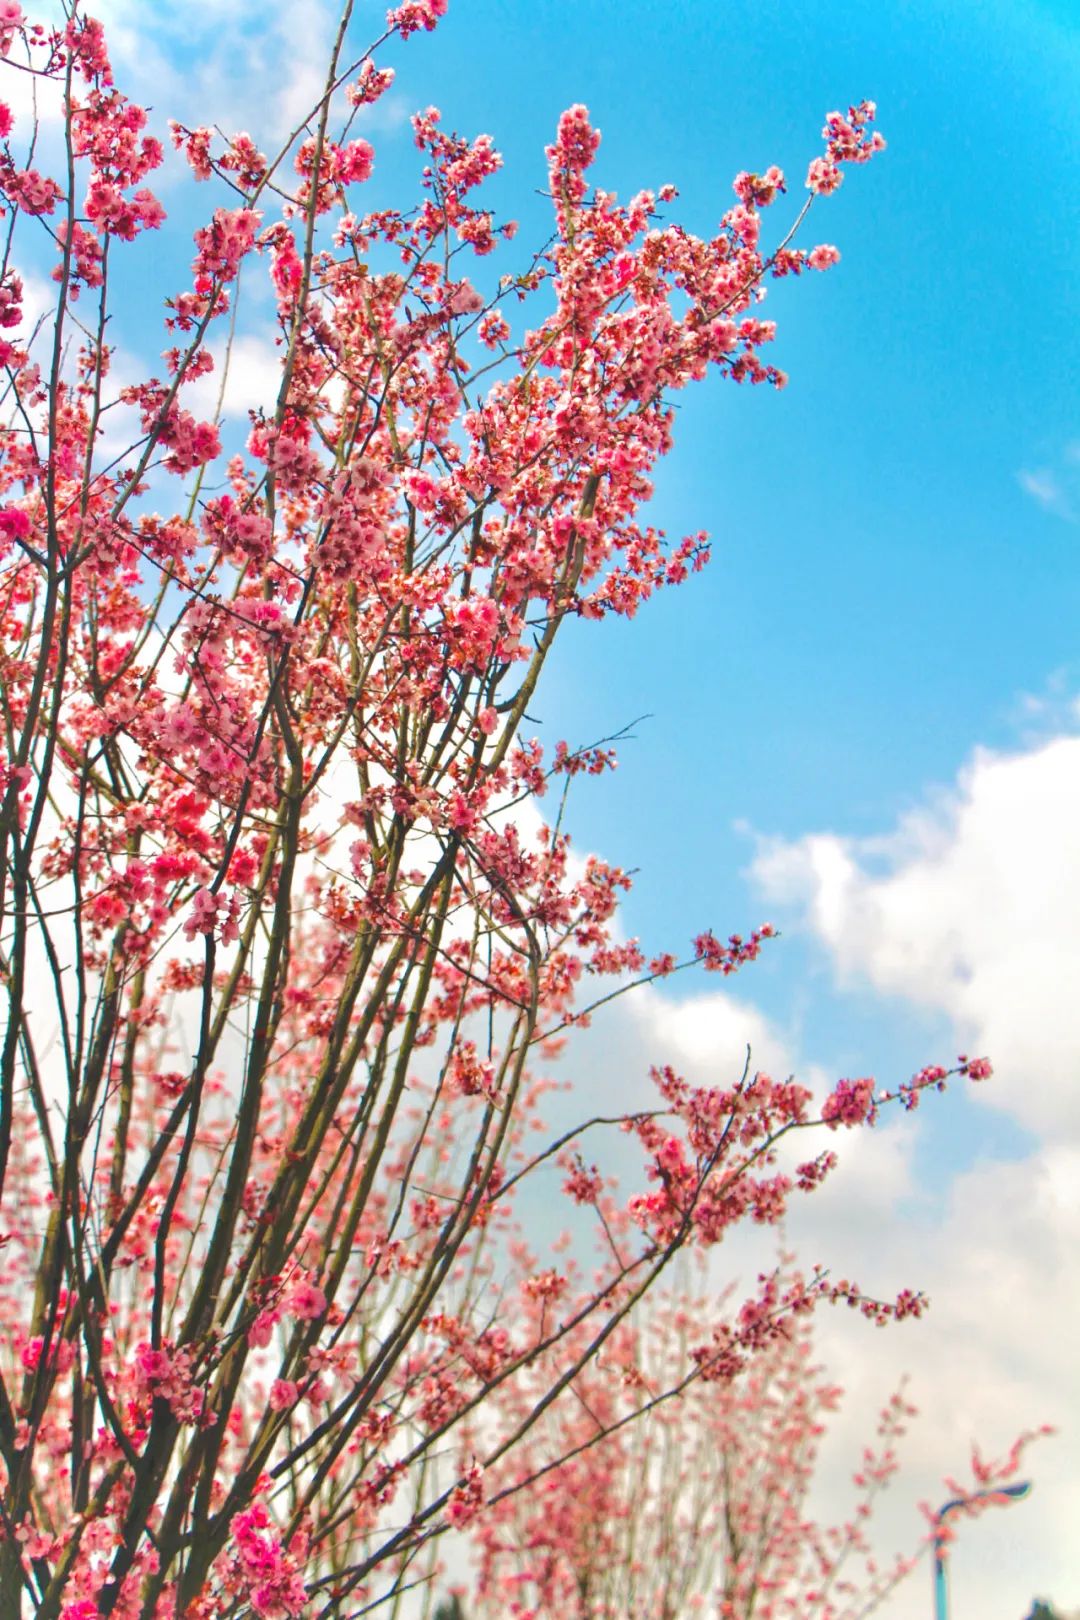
x=1056, y=488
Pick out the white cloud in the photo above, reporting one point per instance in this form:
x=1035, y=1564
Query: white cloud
x=38, y=305
x=974, y=915
x=31, y=101
x=705, y=1036
x=252, y=379
x=246, y=66
x=237, y=63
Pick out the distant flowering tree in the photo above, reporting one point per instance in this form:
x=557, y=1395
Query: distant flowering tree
x=284, y=948
x=693, y=1494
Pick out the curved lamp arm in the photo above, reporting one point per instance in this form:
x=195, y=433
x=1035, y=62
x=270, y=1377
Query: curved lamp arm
x=1002, y=1493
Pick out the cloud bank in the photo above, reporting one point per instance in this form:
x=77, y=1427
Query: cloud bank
x=969, y=908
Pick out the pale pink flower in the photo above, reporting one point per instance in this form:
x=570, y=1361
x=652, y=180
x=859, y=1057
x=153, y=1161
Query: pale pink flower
x=820, y=258
x=306, y=1301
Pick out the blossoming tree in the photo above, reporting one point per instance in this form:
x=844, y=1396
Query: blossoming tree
x=285, y=947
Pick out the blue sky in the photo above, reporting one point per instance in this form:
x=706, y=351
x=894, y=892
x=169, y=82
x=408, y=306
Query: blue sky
x=894, y=587
x=882, y=587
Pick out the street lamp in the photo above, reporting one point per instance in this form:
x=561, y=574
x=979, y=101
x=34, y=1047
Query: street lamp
x=941, y=1595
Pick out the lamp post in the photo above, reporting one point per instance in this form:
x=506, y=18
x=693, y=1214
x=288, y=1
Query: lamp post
x=941, y=1593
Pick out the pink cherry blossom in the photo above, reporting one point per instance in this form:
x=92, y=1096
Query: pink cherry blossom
x=820, y=258
x=306, y=1302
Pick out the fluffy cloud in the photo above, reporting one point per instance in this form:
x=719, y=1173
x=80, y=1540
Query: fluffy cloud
x=968, y=908
x=233, y=63
x=252, y=377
